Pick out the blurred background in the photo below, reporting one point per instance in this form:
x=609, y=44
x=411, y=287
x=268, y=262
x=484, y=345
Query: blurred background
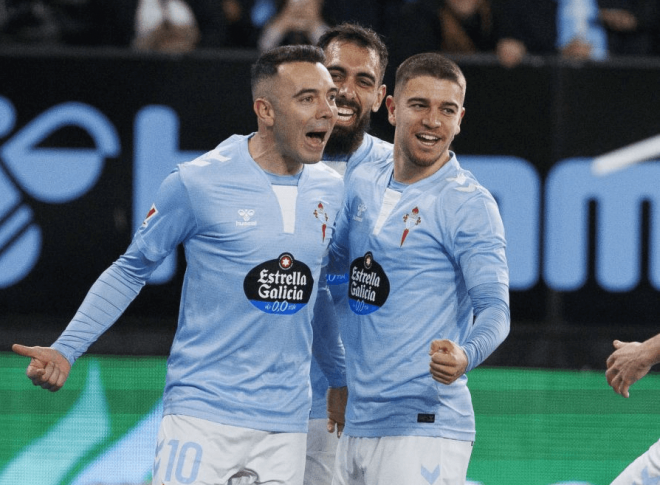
x=100, y=99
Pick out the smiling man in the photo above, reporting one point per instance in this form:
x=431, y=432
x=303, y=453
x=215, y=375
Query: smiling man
x=237, y=398
x=425, y=249
x=356, y=58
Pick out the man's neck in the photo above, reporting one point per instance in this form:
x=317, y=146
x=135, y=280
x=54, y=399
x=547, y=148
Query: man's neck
x=264, y=152
x=407, y=172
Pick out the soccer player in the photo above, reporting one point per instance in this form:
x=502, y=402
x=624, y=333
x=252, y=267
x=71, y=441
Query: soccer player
x=237, y=395
x=425, y=249
x=626, y=365
x=356, y=58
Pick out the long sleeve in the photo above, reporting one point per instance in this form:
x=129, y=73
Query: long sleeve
x=327, y=347
x=106, y=300
x=492, y=322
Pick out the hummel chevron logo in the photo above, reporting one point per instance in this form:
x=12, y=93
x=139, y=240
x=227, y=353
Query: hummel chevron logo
x=431, y=477
x=198, y=162
x=460, y=179
x=469, y=188
x=647, y=479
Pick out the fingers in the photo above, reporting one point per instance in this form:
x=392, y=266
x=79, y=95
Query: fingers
x=440, y=345
x=51, y=377
x=618, y=384
x=26, y=351
x=331, y=427
x=47, y=368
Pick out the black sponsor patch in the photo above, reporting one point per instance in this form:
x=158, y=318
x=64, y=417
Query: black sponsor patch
x=281, y=286
x=426, y=418
x=369, y=287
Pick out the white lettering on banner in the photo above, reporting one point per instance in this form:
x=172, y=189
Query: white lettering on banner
x=569, y=188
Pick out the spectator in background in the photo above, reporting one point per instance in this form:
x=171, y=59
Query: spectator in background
x=166, y=26
x=66, y=22
x=295, y=22
x=183, y=25
x=632, y=26
x=570, y=28
x=450, y=26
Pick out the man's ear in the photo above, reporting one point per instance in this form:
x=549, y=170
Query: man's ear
x=391, y=105
x=264, y=111
x=382, y=91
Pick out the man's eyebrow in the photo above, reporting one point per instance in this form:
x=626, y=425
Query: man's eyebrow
x=359, y=74
x=313, y=91
x=306, y=91
x=420, y=99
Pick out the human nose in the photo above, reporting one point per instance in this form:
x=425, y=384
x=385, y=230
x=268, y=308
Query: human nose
x=327, y=109
x=432, y=120
x=347, y=90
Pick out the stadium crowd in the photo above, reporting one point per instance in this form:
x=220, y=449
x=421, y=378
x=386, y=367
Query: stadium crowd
x=512, y=29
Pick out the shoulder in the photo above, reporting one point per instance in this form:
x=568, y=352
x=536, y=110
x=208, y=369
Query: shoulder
x=225, y=157
x=323, y=173
x=463, y=185
x=375, y=150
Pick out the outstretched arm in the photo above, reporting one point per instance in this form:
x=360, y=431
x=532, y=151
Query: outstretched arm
x=630, y=362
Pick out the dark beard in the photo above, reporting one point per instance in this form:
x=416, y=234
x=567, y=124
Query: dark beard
x=344, y=141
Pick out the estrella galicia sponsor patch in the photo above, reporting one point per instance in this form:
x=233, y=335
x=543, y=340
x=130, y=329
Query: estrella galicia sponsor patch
x=369, y=287
x=336, y=279
x=281, y=286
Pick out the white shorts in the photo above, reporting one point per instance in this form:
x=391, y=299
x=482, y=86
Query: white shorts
x=397, y=460
x=192, y=450
x=321, y=448
x=645, y=469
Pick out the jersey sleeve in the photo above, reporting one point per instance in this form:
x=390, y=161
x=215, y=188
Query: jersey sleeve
x=490, y=302
x=106, y=300
x=479, y=243
x=327, y=347
x=170, y=221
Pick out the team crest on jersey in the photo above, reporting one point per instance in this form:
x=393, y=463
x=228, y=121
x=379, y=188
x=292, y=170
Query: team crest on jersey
x=410, y=220
x=369, y=286
x=322, y=217
x=280, y=286
x=150, y=215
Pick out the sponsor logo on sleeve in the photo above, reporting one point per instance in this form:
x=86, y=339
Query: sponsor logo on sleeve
x=150, y=215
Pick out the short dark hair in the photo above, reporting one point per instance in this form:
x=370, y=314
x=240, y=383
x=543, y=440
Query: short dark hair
x=428, y=64
x=266, y=65
x=358, y=35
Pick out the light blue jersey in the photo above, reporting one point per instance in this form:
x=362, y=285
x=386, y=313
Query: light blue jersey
x=254, y=253
x=371, y=150
x=415, y=258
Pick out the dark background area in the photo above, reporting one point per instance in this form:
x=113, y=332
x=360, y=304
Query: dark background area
x=545, y=110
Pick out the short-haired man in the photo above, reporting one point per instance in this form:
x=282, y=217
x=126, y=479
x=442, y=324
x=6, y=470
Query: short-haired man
x=255, y=216
x=425, y=249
